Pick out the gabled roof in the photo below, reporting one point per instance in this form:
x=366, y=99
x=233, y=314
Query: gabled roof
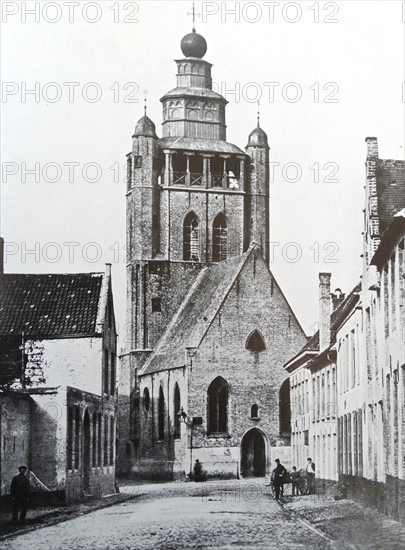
x=51, y=305
x=338, y=316
x=390, y=190
x=199, y=308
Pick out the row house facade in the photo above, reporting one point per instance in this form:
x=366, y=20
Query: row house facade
x=313, y=383
x=371, y=349
x=367, y=353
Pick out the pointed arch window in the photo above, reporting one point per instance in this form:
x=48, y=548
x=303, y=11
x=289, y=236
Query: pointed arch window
x=146, y=399
x=255, y=342
x=177, y=407
x=191, y=240
x=218, y=398
x=220, y=239
x=254, y=411
x=161, y=414
x=285, y=409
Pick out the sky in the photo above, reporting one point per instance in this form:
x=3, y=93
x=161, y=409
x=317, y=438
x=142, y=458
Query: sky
x=327, y=74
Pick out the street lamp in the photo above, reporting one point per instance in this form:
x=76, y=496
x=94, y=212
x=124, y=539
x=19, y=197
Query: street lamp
x=182, y=416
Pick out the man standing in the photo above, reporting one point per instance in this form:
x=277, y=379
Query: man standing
x=311, y=476
x=294, y=480
x=197, y=471
x=278, y=475
x=19, y=491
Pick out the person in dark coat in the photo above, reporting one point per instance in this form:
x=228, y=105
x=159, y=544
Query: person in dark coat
x=19, y=491
x=197, y=471
x=295, y=476
x=278, y=476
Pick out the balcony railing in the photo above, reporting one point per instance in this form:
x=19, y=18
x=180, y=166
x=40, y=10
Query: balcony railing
x=198, y=178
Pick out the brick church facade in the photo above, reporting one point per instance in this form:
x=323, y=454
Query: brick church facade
x=209, y=327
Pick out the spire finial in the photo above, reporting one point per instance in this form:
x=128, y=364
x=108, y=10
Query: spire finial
x=194, y=15
x=145, y=101
x=258, y=114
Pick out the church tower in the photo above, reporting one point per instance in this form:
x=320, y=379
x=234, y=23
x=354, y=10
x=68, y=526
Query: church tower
x=208, y=326
x=193, y=198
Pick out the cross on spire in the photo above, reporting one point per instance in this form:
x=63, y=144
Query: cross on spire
x=194, y=15
x=145, y=101
x=258, y=113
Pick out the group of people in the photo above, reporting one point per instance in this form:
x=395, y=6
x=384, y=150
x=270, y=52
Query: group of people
x=280, y=476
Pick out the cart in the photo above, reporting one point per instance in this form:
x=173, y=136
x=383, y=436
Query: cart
x=302, y=482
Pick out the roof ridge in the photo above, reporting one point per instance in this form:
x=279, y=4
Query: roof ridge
x=175, y=318
x=242, y=260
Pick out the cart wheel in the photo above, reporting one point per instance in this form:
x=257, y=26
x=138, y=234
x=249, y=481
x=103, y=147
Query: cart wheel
x=304, y=486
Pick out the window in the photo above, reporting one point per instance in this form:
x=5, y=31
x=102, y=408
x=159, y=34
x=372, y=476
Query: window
x=105, y=457
x=306, y=437
x=255, y=342
x=218, y=397
x=146, y=399
x=112, y=373
x=137, y=161
x=106, y=369
x=77, y=438
x=161, y=414
x=69, y=439
x=111, y=441
x=191, y=241
x=99, y=440
x=94, y=449
x=219, y=239
x=156, y=305
x=177, y=407
x=285, y=409
x=254, y=411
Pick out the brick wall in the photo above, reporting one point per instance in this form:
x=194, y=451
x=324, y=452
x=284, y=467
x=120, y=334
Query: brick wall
x=16, y=411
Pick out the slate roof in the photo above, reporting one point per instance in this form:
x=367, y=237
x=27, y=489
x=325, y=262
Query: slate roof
x=49, y=305
x=337, y=318
x=195, y=315
x=199, y=144
x=390, y=189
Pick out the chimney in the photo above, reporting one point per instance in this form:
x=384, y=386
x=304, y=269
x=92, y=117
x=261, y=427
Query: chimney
x=1, y=255
x=337, y=298
x=372, y=147
x=324, y=311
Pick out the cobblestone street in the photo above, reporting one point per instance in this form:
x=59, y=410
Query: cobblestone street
x=228, y=514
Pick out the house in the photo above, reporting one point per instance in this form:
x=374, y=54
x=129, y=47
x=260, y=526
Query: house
x=58, y=381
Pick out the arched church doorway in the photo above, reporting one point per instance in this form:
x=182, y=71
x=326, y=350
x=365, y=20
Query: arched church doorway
x=253, y=454
x=86, y=452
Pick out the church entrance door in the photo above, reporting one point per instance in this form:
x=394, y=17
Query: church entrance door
x=253, y=454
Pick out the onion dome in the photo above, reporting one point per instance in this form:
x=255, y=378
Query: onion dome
x=258, y=138
x=194, y=45
x=145, y=127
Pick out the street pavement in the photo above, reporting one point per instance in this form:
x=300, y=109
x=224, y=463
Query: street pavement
x=224, y=515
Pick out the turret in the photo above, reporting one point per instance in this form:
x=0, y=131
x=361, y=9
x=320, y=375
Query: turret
x=258, y=150
x=143, y=192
